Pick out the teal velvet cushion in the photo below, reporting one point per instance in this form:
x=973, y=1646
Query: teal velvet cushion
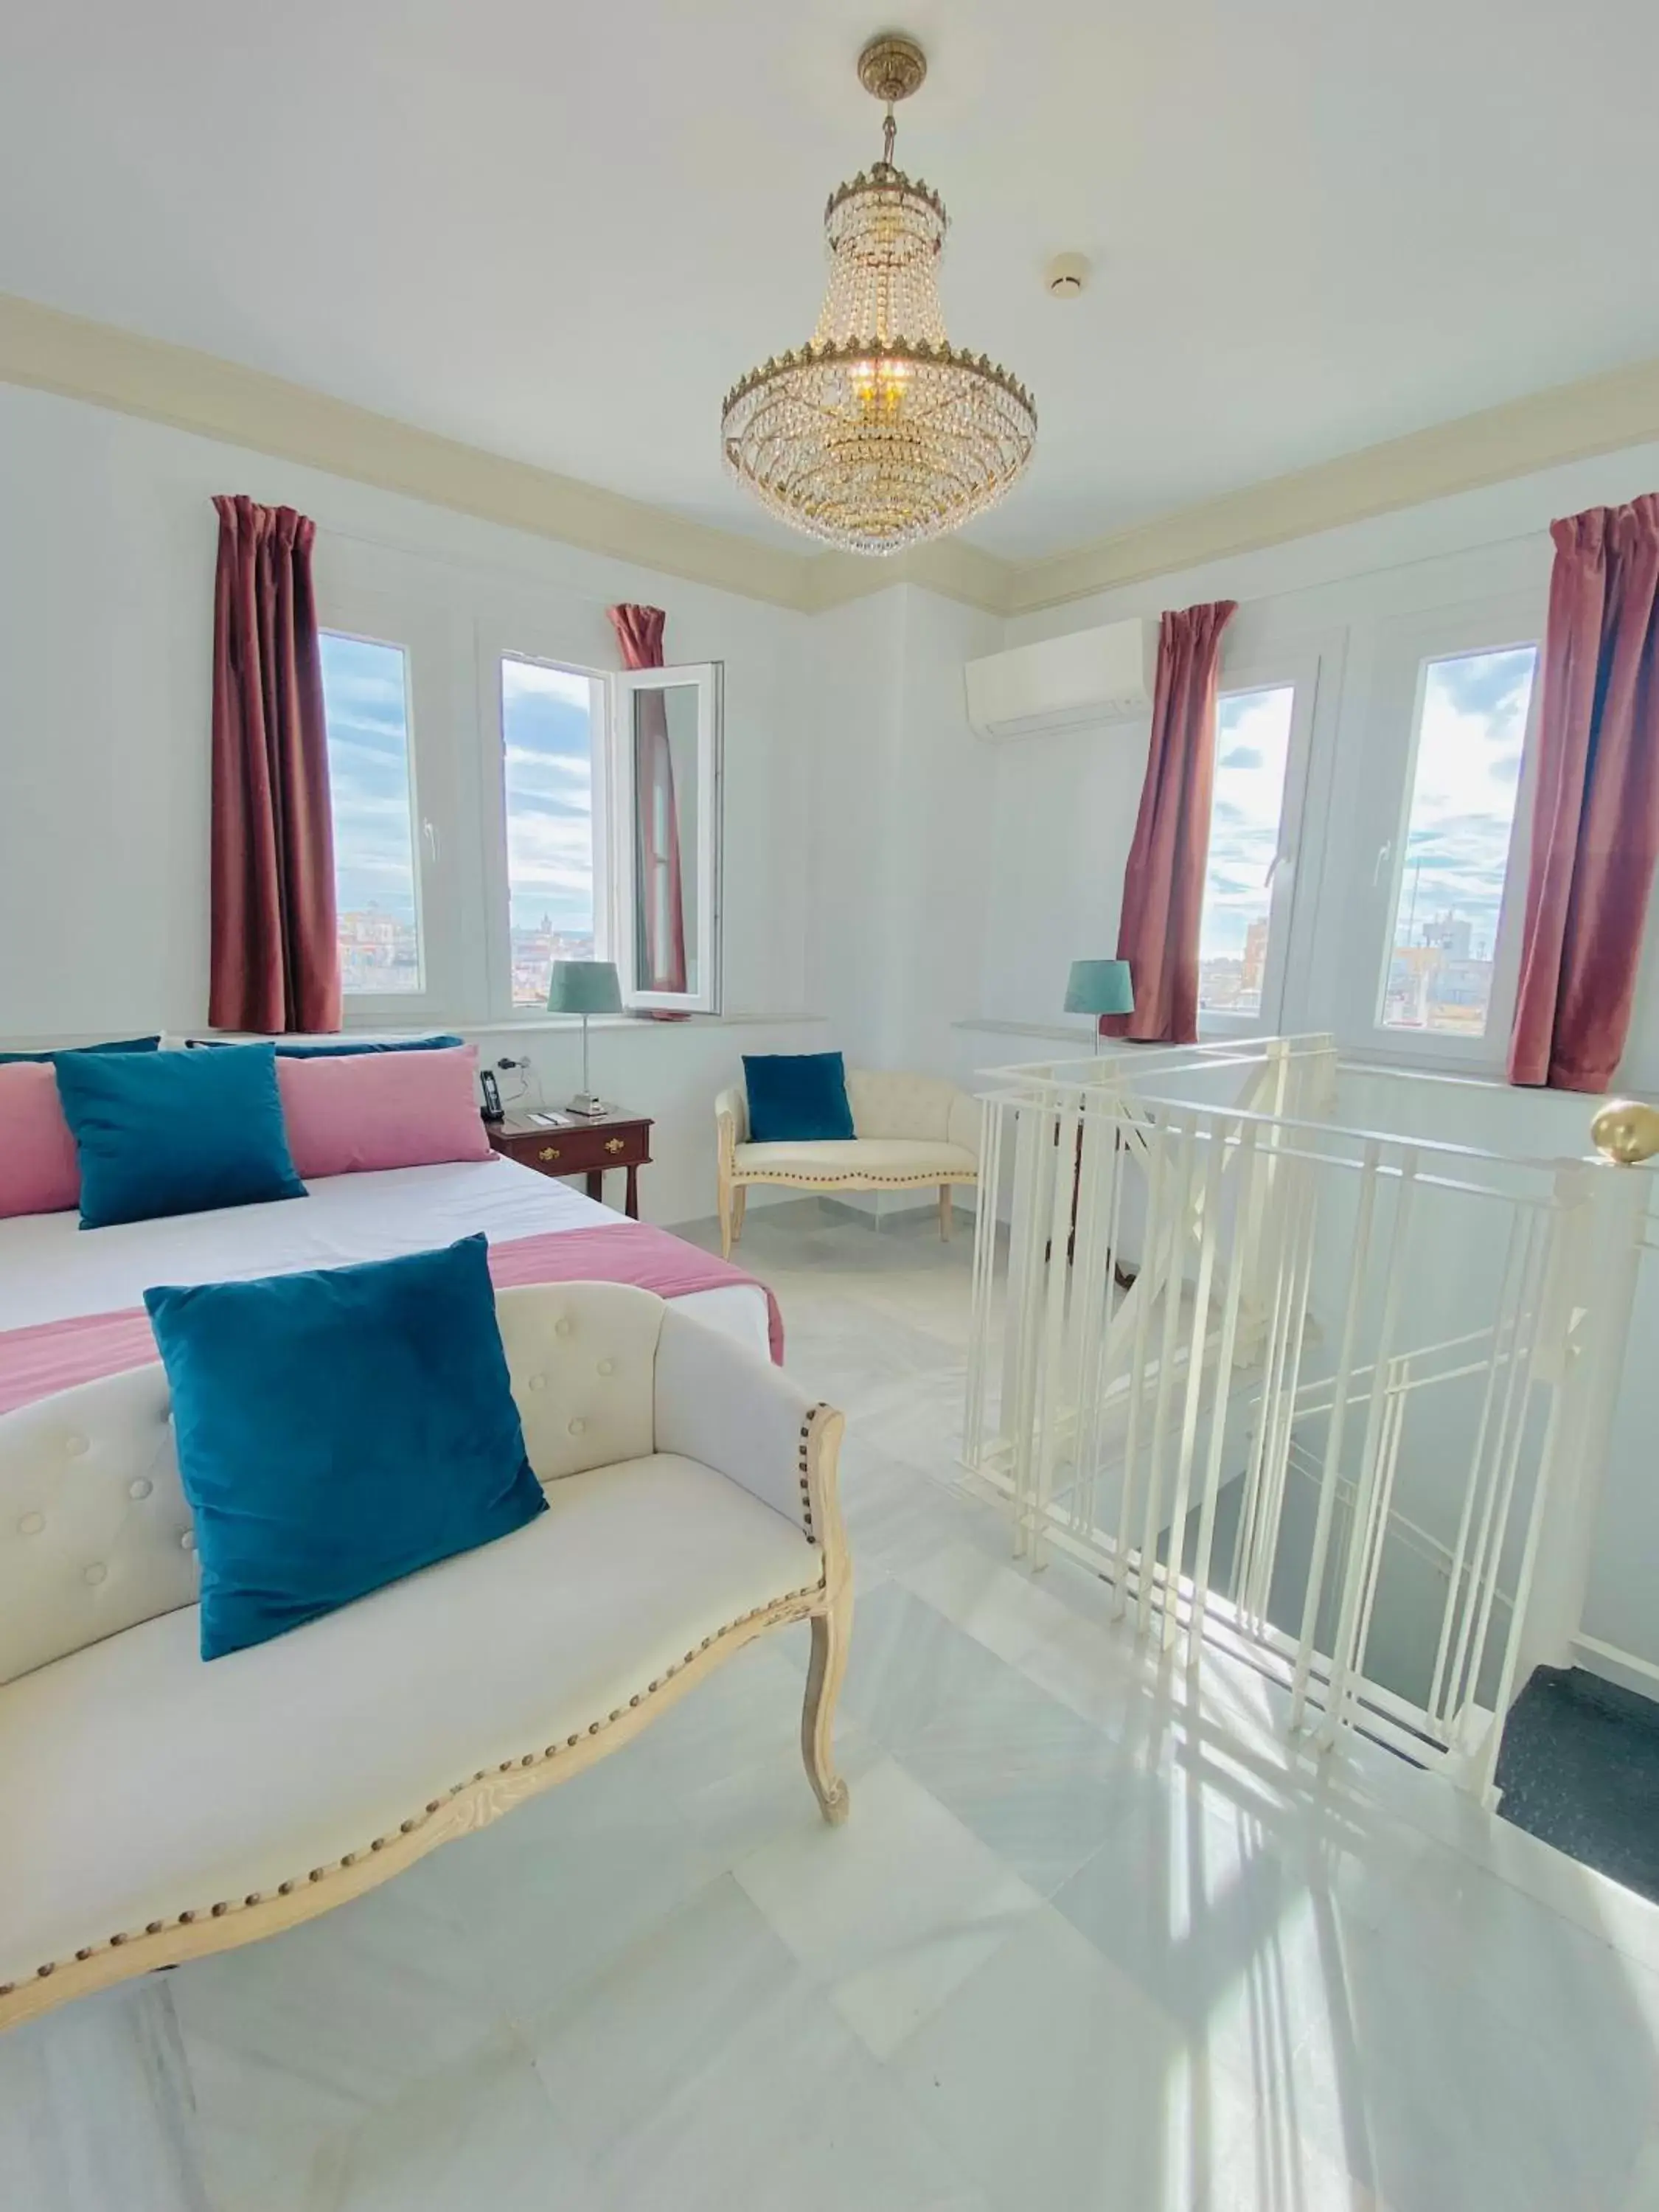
x=123, y=1045
x=175, y=1132
x=337, y=1430
x=796, y=1097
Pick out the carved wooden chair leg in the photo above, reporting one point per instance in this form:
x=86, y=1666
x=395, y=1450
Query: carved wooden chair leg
x=831, y=1631
x=944, y=1211
x=725, y=1198
x=740, y=1206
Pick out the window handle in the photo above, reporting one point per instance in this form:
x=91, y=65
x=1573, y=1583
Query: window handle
x=1383, y=852
x=430, y=839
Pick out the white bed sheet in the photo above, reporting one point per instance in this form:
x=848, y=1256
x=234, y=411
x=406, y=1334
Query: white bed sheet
x=50, y=1269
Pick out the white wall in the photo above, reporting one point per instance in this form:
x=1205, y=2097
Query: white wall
x=902, y=825
x=107, y=558
x=855, y=662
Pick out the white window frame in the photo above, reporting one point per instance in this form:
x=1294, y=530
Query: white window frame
x=613, y=738
x=1394, y=735
x=706, y=677
x=361, y=619
x=494, y=648
x=1299, y=673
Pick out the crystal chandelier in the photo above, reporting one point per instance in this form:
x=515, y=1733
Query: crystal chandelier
x=879, y=432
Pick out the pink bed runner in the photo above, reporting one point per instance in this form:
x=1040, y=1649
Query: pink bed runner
x=56, y=1355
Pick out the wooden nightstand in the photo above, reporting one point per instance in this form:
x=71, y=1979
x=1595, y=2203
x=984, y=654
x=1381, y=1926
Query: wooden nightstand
x=585, y=1148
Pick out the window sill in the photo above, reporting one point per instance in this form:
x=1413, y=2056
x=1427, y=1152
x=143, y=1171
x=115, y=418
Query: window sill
x=1079, y=1033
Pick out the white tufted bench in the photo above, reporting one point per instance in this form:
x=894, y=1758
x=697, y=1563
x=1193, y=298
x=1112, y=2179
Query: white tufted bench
x=910, y=1131
x=157, y=1807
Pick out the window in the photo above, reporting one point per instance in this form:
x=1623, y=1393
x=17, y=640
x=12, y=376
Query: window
x=366, y=704
x=1252, y=753
x=484, y=788
x=548, y=716
x=602, y=815
x=1470, y=738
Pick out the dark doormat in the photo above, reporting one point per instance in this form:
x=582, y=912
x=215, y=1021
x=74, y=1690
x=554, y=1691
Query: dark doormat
x=1580, y=1768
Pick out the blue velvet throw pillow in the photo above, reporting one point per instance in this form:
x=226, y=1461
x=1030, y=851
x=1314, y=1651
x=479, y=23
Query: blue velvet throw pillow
x=337, y=1430
x=123, y=1045
x=796, y=1097
x=175, y=1132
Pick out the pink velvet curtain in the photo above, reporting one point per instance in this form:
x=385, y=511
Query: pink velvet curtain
x=659, y=898
x=1595, y=815
x=1163, y=881
x=274, y=962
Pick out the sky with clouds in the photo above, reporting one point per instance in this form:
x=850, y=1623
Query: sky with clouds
x=1253, y=741
x=368, y=713
x=1464, y=782
x=547, y=728
x=549, y=779
x=1464, y=779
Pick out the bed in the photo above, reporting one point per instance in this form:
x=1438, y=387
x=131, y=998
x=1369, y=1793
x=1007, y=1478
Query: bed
x=52, y=1273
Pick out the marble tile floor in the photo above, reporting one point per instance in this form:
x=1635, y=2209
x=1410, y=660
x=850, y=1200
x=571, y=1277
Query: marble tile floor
x=1095, y=1938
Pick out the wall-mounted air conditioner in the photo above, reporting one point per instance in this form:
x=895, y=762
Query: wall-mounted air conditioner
x=1102, y=675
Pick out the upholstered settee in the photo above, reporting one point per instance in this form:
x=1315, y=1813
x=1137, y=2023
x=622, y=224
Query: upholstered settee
x=910, y=1131
x=158, y=1807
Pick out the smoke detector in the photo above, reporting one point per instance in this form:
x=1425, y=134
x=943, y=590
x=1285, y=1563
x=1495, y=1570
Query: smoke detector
x=1066, y=274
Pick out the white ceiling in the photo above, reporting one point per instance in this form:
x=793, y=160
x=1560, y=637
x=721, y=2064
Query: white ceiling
x=559, y=231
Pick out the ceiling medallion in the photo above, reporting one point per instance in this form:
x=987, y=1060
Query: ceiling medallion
x=879, y=433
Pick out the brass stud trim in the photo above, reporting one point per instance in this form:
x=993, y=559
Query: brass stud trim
x=778, y=1609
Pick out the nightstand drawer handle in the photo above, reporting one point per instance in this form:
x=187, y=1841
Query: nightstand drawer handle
x=549, y=1152
x=616, y=1145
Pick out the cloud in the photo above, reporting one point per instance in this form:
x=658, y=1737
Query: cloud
x=1467, y=767
x=1252, y=749
x=1495, y=686
x=367, y=710
x=547, y=733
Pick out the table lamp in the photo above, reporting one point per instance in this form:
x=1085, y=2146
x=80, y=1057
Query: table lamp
x=1098, y=988
x=585, y=987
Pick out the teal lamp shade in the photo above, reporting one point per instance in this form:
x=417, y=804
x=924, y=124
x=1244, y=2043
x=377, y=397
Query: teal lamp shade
x=1099, y=986
x=584, y=987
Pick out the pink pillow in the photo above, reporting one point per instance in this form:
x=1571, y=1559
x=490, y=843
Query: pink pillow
x=39, y=1171
x=348, y=1113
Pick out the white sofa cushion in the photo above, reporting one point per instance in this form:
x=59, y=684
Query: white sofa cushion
x=720, y=1404
x=233, y=1778
x=582, y=1357
x=860, y=1159
x=885, y=1103
x=889, y=1103
x=96, y=1534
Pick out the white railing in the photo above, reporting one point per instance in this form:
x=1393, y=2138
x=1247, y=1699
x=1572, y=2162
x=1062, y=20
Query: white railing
x=1334, y=1398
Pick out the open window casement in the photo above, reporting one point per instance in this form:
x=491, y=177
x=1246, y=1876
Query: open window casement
x=665, y=815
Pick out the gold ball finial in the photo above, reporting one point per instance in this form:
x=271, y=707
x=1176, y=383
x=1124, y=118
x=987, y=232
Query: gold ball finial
x=1627, y=1132
x=891, y=67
